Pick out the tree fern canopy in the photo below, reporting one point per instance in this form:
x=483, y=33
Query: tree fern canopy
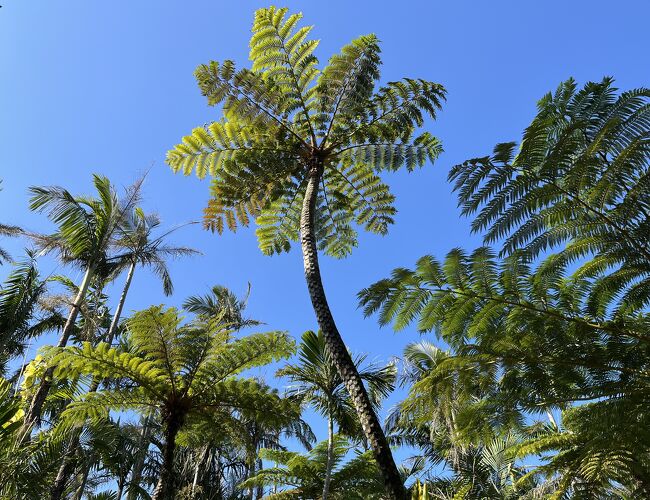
x=556, y=327
x=174, y=365
x=285, y=116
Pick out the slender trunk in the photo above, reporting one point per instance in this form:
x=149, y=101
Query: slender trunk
x=120, y=305
x=330, y=456
x=66, y=469
x=68, y=464
x=110, y=335
x=166, y=482
x=120, y=489
x=33, y=414
x=138, y=466
x=336, y=348
x=200, y=464
x=82, y=486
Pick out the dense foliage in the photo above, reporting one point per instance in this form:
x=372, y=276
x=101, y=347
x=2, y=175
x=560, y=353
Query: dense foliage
x=534, y=384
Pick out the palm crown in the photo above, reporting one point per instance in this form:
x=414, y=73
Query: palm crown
x=284, y=117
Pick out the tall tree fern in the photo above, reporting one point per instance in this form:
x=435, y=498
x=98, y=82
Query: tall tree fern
x=185, y=373
x=299, y=150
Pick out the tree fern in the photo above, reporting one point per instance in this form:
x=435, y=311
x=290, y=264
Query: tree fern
x=299, y=150
x=185, y=373
x=559, y=327
x=285, y=110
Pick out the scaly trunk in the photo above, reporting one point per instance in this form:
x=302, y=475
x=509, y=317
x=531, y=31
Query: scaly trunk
x=335, y=346
x=330, y=456
x=166, y=482
x=33, y=414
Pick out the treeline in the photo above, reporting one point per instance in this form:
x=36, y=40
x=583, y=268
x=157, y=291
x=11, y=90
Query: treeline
x=541, y=390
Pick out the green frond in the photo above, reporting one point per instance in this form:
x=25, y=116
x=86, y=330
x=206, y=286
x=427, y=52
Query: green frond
x=104, y=361
x=242, y=354
x=283, y=115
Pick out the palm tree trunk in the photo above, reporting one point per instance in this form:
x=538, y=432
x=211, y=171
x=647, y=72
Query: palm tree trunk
x=166, y=482
x=33, y=414
x=330, y=456
x=200, y=464
x=68, y=463
x=138, y=466
x=342, y=360
x=66, y=469
x=82, y=485
x=120, y=305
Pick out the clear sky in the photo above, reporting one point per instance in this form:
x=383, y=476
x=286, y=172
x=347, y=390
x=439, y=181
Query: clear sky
x=108, y=87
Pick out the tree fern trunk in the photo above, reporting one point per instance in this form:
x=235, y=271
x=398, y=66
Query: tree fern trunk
x=330, y=456
x=33, y=414
x=166, y=482
x=342, y=360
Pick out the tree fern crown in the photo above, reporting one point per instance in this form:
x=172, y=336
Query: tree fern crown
x=284, y=118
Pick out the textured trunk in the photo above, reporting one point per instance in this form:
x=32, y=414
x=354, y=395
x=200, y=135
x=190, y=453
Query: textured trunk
x=340, y=356
x=166, y=482
x=330, y=456
x=33, y=414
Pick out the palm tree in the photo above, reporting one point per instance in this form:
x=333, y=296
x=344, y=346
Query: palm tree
x=222, y=304
x=138, y=246
x=186, y=374
x=86, y=229
x=299, y=151
x=561, y=307
x=19, y=303
x=316, y=382
x=7, y=230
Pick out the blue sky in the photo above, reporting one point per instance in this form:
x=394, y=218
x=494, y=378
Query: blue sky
x=108, y=87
